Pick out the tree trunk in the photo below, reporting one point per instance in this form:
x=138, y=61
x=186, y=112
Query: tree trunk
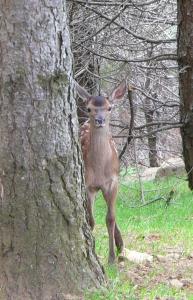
x=152, y=138
x=149, y=118
x=185, y=61
x=46, y=245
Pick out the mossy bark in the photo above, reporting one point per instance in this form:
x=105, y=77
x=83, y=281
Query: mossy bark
x=185, y=61
x=47, y=248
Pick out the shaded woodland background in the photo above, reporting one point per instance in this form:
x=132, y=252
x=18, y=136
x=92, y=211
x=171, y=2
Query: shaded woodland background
x=113, y=40
x=47, y=250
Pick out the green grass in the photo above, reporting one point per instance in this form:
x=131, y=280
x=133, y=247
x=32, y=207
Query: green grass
x=155, y=229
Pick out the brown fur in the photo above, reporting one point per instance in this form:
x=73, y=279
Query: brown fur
x=101, y=159
x=101, y=173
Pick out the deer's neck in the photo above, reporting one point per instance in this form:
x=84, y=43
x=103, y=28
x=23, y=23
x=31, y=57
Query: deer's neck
x=99, y=141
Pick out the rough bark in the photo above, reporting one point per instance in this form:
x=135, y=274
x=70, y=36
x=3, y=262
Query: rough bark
x=185, y=61
x=46, y=245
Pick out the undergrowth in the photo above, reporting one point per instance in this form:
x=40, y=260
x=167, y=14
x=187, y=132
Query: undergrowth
x=157, y=229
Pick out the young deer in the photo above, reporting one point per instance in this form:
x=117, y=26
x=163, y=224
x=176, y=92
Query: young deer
x=101, y=160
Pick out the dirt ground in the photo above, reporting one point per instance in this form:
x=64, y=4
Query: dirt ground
x=174, y=269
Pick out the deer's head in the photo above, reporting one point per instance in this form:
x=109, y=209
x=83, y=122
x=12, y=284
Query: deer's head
x=99, y=107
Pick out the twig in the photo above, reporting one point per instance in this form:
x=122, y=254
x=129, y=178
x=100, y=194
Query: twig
x=146, y=39
x=147, y=203
x=102, y=28
x=167, y=200
x=180, y=125
x=111, y=3
x=161, y=57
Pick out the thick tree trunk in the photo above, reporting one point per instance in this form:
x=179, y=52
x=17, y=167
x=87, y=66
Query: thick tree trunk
x=185, y=61
x=46, y=245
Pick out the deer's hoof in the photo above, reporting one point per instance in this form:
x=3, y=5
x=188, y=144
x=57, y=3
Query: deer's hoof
x=120, y=248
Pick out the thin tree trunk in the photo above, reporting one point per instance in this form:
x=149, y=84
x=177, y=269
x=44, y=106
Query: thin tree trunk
x=152, y=138
x=185, y=61
x=46, y=245
x=148, y=111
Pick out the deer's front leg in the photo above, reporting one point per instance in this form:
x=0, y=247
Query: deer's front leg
x=90, y=200
x=110, y=197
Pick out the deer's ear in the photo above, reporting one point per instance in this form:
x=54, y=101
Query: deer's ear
x=82, y=93
x=119, y=91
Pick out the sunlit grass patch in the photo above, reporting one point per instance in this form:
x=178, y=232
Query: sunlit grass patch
x=156, y=229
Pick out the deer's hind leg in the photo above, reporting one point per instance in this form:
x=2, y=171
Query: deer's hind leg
x=118, y=239
x=110, y=198
x=113, y=230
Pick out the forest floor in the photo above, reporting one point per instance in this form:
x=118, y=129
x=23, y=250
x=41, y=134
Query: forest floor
x=163, y=229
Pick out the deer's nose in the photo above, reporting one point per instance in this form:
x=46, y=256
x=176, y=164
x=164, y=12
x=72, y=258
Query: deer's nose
x=100, y=121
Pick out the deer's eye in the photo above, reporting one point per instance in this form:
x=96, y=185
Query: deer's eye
x=88, y=109
x=109, y=109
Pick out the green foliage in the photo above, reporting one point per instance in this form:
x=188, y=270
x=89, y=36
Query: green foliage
x=154, y=229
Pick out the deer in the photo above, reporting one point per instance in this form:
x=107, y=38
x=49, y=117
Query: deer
x=101, y=160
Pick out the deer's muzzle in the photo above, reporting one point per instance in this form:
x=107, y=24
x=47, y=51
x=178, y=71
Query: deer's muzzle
x=100, y=121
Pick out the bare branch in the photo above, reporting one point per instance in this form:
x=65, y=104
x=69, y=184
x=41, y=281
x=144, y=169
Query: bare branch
x=110, y=3
x=162, y=57
x=105, y=26
x=148, y=40
x=180, y=125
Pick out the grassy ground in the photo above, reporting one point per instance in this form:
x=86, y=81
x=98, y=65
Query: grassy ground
x=166, y=232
